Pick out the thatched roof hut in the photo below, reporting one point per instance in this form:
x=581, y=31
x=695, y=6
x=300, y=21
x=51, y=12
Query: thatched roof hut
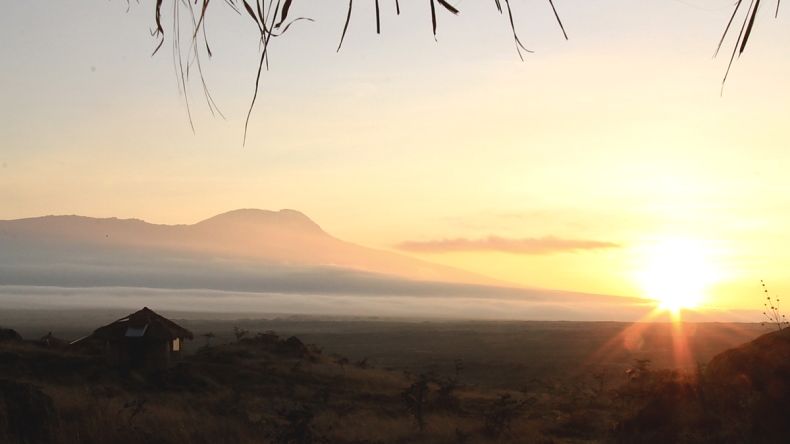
x=143, y=339
x=143, y=324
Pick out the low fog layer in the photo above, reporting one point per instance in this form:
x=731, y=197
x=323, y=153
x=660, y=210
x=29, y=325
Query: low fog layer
x=81, y=266
x=315, y=304
x=260, y=261
x=253, y=304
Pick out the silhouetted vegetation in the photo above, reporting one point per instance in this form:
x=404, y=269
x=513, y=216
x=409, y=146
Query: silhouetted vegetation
x=773, y=316
x=240, y=333
x=416, y=397
x=500, y=415
x=742, y=395
x=208, y=336
x=273, y=18
x=264, y=387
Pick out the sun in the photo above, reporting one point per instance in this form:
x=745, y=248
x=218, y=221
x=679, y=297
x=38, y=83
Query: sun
x=677, y=273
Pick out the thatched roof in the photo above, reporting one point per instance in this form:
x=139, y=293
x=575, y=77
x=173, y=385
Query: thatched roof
x=144, y=324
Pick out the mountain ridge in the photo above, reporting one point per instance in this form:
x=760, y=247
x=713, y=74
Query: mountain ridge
x=286, y=236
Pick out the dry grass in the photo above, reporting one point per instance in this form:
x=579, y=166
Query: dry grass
x=253, y=392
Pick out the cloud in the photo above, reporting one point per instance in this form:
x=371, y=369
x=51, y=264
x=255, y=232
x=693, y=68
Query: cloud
x=536, y=245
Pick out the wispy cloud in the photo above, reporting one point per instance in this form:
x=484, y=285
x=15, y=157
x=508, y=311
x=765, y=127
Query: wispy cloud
x=535, y=245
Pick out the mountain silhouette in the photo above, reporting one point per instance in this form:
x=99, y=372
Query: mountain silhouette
x=285, y=237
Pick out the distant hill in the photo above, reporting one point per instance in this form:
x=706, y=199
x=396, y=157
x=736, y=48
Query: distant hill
x=282, y=254
x=285, y=237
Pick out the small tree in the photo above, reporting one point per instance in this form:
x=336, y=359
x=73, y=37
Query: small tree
x=639, y=371
x=600, y=382
x=342, y=361
x=458, y=366
x=295, y=426
x=239, y=333
x=209, y=336
x=446, y=398
x=415, y=397
x=499, y=417
x=363, y=363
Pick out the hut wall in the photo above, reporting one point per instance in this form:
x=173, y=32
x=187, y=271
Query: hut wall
x=139, y=354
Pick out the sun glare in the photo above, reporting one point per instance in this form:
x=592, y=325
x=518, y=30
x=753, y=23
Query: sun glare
x=677, y=274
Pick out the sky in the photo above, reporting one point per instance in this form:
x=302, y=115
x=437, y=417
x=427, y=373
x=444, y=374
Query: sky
x=610, y=163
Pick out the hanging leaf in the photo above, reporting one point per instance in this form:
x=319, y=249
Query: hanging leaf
x=557, y=16
x=433, y=18
x=727, y=29
x=378, y=18
x=202, y=16
x=519, y=45
x=749, y=28
x=288, y=25
x=160, y=32
x=448, y=6
x=345, y=27
x=251, y=12
x=284, y=13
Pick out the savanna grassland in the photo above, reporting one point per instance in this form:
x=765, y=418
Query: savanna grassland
x=495, y=354
x=308, y=380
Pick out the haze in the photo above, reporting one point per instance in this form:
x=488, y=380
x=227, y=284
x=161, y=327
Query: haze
x=591, y=168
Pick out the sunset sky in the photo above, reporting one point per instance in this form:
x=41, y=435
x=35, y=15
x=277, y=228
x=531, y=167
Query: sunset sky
x=609, y=163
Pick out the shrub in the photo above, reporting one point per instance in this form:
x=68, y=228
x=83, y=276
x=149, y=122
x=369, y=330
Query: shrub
x=501, y=414
x=415, y=397
x=772, y=313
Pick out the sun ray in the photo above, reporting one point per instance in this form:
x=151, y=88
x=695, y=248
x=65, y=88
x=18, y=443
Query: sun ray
x=629, y=340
